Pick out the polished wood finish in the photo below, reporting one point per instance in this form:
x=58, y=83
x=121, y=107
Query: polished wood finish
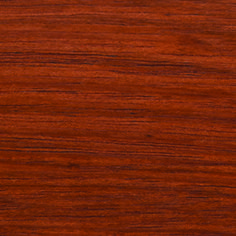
x=117, y=117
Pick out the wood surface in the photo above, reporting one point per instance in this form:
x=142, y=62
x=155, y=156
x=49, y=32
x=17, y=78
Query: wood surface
x=118, y=117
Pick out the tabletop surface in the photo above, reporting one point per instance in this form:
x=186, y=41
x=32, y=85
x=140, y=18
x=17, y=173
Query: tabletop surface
x=118, y=117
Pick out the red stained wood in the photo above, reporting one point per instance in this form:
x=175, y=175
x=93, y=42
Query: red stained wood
x=117, y=117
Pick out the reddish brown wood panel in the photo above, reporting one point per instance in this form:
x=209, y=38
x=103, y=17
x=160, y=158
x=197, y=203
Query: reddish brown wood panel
x=118, y=117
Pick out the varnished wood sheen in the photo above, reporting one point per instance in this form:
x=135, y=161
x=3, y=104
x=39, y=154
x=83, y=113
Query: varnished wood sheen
x=117, y=117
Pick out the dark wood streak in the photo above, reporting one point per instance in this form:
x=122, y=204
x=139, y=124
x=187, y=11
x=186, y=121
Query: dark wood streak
x=117, y=117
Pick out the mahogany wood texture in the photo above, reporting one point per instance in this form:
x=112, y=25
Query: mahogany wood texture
x=117, y=117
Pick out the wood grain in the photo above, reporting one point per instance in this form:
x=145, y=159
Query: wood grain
x=117, y=117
